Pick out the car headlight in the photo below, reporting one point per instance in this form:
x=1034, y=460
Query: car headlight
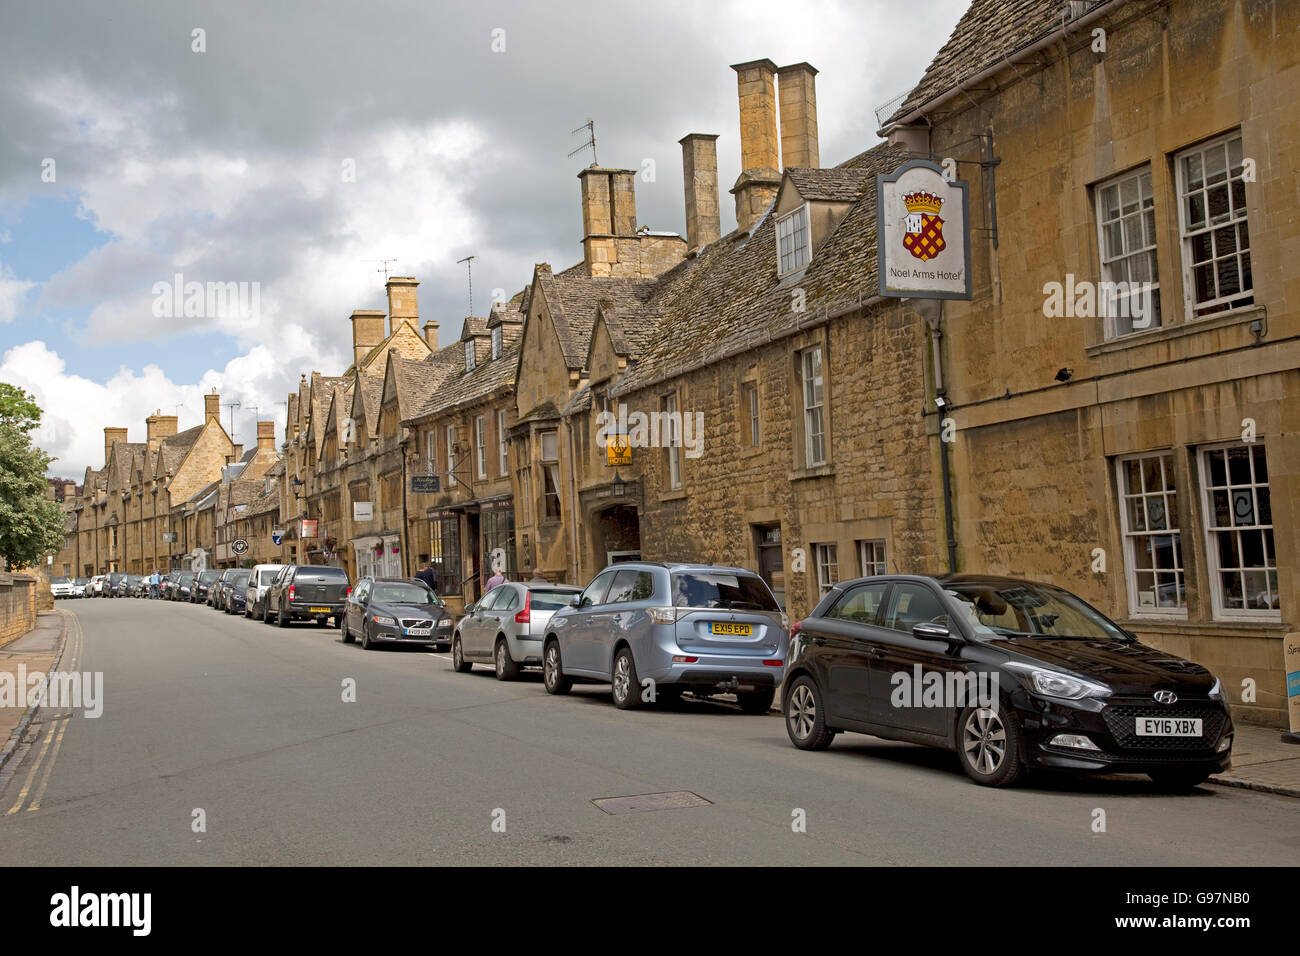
x=1050, y=683
x=380, y=619
x=1216, y=692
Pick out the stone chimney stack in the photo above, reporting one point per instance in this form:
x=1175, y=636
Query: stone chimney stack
x=797, y=86
x=266, y=436
x=159, y=426
x=610, y=246
x=402, y=305
x=431, y=333
x=367, y=331
x=111, y=436
x=69, y=489
x=212, y=407
x=759, y=179
x=700, y=175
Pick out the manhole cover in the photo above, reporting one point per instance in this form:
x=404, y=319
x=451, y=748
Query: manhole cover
x=673, y=800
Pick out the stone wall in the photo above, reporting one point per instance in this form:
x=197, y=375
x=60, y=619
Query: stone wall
x=17, y=605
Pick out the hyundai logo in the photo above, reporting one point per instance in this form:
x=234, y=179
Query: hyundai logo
x=1165, y=696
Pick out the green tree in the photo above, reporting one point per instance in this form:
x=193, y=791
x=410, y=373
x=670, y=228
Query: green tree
x=31, y=524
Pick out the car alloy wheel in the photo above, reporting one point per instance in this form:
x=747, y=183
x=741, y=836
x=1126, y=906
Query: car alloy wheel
x=624, y=681
x=458, y=662
x=553, y=671
x=989, y=746
x=803, y=712
x=506, y=668
x=805, y=720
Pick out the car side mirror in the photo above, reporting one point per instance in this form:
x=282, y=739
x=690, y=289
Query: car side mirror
x=470, y=608
x=575, y=601
x=926, y=631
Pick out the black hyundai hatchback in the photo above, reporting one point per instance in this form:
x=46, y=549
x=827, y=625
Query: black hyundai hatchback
x=1013, y=675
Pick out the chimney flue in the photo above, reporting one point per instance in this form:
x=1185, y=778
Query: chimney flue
x=797, y=86
x=111, y=436
x=402, y=303
x=610, y=246
x=759, y=178
x=211, y=407
x=700, y=176
x=367, y=332
x=431, y=333
x=266, y=436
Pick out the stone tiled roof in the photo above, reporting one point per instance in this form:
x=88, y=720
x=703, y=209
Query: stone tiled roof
x=474, y=327
x=275, y=470
x=727, y=298
x=838, y=184
x=322, y=392
x=371, y=390
x=544, y=412
x=989, y=32
x=263, y=502
x=457, y=387
x=573, y=298
x=119, y=462
x=173, y=449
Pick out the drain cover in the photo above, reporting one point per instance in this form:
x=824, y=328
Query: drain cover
x=643, y=802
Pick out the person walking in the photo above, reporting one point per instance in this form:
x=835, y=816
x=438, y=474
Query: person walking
x=428, y=576
x=498, y=578
x=153, y=585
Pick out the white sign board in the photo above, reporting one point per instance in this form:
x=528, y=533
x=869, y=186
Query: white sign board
x=922, y=233
x=363, y=510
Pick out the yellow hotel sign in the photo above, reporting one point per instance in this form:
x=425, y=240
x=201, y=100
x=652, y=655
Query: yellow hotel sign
x=618, y=450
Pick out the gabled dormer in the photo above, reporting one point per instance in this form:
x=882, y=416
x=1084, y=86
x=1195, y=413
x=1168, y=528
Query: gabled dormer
x=809, y=206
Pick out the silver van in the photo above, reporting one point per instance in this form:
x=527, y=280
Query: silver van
x=654, y=630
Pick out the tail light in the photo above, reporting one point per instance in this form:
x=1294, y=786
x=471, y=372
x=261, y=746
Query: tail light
x=662, y=615
x=524, y=616
x=349, y=594
x=795, y=628
x=290, y=592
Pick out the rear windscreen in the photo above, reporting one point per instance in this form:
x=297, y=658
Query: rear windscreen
x=551, y=600
x=323, y=575
x=739, y=592
x=240, y=580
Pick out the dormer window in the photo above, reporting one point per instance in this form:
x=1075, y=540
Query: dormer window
x=793, y=241
x=469, y=356
x=496, y=342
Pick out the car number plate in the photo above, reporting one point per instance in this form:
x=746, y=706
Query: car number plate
x=321, y=610
x=736, y=630
x=1168, y=726
x=419, y=631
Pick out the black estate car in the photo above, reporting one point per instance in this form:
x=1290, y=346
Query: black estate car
x=395, y=610
x=235, y=591
x=1013, y=675
x=312, y=592
x=202, y=585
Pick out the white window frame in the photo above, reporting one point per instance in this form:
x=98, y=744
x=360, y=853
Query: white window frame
x=1237, y=217
x=469, y=356
x=1133, y=538
x=496, y=342
x=793, y=241
x=451, y=456
x=480, y=446
x=873, y=554
x=502, y=446
x=672, y=441
x=813, y=399
x=1120, y=266
x=826, y=559
x=1212, y=533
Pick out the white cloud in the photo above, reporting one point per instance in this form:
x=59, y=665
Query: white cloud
x=12, y=292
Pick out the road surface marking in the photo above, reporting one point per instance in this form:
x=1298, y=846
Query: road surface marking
x=49, y=766
x=22, y=794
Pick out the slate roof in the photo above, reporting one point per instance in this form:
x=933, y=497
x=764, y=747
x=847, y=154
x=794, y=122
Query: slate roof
x=727, y=298
x=838, y=184
x=989, y=32
x=573, y=298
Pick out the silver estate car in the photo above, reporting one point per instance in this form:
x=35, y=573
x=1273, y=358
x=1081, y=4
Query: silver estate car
x=654, y=630
x=505, y=628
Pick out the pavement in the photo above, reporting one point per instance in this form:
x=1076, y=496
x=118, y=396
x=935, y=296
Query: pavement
x=1261, y=760
x=37, y=651
x=224, y=741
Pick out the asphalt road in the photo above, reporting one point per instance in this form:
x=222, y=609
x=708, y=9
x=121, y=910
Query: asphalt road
x=247, y=723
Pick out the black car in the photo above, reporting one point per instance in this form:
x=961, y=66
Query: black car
x=236, y=587
x=310, y=592
x=184, y=585
x=217, y=590
x=202, y=585
x=395, y=611
x=113, y=585
x=1013, y=675
x=168, y=586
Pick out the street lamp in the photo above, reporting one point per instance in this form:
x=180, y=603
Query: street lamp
x=618, y=487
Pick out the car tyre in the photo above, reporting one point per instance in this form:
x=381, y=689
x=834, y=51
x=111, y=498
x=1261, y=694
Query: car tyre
x=756, y=701
x=280, y=618
x=347, y=632
x=506, y=668
x=624, y=684
x=366, y=643
x=458, y=662
x=553, y=678
x=805, y=716
x=988, y=746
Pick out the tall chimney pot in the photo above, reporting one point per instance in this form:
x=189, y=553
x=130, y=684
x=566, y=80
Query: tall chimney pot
x=700, y=176
x=797, y=86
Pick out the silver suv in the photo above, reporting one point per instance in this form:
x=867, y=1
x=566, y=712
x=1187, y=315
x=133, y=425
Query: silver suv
x=654, y=630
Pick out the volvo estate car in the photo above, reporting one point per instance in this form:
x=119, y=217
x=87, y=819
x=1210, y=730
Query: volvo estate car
x=653, y=631
x=505, y=628
x=395, y=611
x=1012, y=675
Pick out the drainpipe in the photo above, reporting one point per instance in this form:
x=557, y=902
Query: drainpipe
x=402, y=536
x=932, y=311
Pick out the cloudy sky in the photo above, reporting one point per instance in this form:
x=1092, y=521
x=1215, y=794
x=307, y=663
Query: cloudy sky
x=126, y=158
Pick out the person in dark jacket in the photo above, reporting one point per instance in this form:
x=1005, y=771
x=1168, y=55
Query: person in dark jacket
x=428, y=576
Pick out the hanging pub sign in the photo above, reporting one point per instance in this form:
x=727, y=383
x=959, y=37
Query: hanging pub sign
x=618, y=450
x=922, y=233
x=309, y=526
x=425, y=484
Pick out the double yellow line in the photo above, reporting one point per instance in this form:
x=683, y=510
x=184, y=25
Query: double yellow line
x=53, y=738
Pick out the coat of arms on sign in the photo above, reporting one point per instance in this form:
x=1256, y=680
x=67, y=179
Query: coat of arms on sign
x=924, y=228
